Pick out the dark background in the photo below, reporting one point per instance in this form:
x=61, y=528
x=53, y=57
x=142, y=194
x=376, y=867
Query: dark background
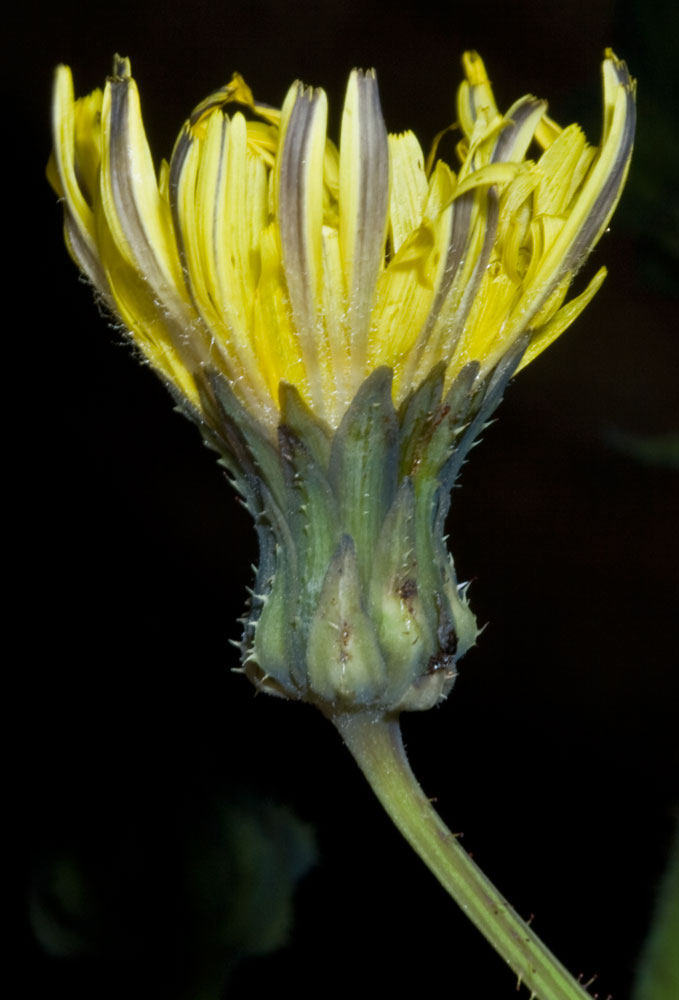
x=556, y=753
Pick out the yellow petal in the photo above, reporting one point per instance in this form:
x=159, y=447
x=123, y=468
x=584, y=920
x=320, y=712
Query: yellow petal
x=336, y=329
x=561, y=169
x=64, y=172
x=405, y=295
x=363, y=206
x=563, y=319
x=299, y=209
x=408, y=187
x=174, y=358
x=547, y=132
x=137, y=216
x=518, y=132
x=207, y=175
x=475, y=96
x=593, y=205
x=234, y=92
x=276, y=345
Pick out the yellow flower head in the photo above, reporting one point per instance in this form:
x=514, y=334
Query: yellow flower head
x=264, y=252
x=341, y=323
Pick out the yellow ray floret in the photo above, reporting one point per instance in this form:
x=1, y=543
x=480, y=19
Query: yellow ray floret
x=267, y=254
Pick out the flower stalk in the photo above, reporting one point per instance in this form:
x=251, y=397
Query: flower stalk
x=375, y=742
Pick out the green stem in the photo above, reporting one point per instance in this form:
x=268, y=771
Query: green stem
x=376, y=744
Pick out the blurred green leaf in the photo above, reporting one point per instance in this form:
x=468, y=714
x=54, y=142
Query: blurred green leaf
x=658, y=975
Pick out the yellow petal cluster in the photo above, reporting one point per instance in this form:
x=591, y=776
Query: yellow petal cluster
x=266, y=253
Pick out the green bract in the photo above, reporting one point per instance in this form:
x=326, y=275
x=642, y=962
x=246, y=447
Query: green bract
x=356, y=603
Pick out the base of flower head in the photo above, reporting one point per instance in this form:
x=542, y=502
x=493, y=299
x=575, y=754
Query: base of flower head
x=356, y=603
